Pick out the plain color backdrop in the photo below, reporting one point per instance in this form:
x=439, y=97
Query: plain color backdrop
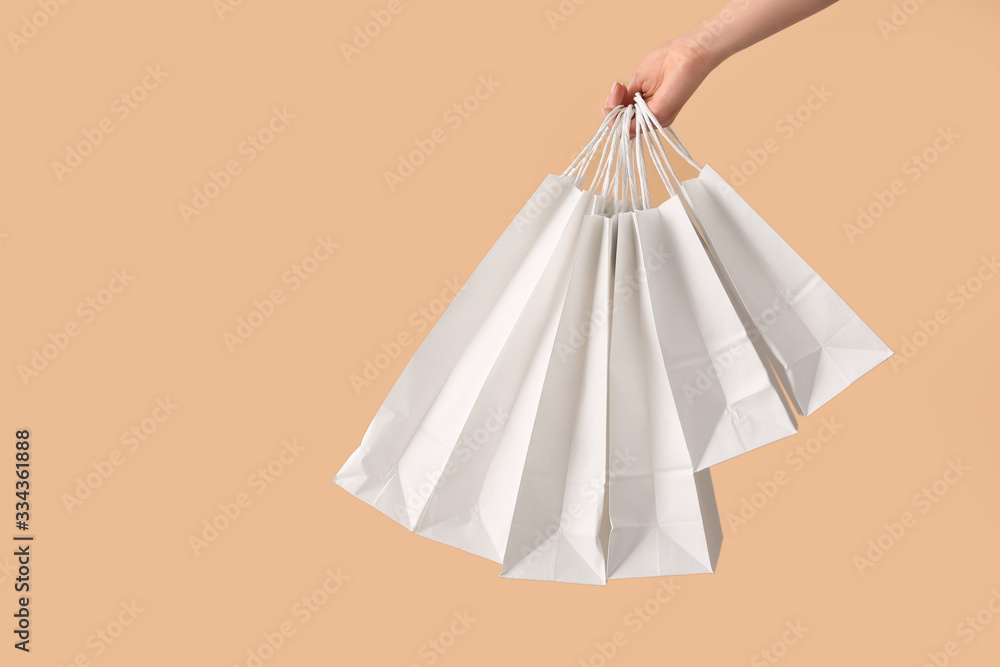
x=199, y=249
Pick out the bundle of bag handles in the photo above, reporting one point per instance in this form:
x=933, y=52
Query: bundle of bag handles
x=625, y=184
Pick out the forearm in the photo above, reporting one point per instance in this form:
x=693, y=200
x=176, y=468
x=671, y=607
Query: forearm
x=744, y=22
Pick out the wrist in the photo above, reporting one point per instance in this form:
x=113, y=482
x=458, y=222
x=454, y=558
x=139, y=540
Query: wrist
x=703, y=49
x=717, y=38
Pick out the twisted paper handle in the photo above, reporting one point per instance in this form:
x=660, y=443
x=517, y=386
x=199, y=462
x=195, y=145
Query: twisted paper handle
x=621, y=167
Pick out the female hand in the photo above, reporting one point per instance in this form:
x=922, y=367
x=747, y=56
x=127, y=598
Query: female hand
x=670, y=73
x=666, y=78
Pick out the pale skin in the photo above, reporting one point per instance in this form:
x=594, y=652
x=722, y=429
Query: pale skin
x=671, y=72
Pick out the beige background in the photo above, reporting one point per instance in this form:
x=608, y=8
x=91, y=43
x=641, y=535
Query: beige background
x=162, y=335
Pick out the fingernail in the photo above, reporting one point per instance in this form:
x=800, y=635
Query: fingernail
x=612, y=88
x=604, y=112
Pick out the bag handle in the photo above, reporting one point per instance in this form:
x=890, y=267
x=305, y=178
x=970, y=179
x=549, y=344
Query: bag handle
x=635, y=168
x=578, y=168
x=648, y=122
x=603, y=172
x=621, y=167
x=613, y=185
x=607, y=149
x=640, y=168
x=624, y=167
x=644, y=132
x=614, y=179
x=668, y=134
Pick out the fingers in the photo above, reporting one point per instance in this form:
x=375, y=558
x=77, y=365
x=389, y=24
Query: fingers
x=615, y=97
x=636, y=86
x=622, y=95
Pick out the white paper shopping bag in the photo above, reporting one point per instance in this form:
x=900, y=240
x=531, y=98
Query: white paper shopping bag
x=820, y=345
x=726, y=399
x=470, y=501
x=817, y=344
x=444, y=454
x=561, y=416
x=662, y=513
x=418, y=425
x=556, y=529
